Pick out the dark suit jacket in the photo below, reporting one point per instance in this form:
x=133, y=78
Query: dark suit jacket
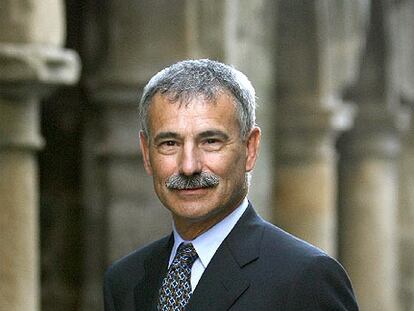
x=257, y=267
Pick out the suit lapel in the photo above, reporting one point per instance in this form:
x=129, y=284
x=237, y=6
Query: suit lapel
x=146, y=292
x=223, y=282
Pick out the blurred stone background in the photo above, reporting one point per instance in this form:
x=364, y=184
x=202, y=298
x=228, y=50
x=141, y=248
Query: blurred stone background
x=334, y=80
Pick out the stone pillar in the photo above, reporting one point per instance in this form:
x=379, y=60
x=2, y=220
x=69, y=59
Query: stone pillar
x=137, y=39
x=20, y=139
x=406, y=221
x=250, y=28
x=367, y=209
x=305, y=172
x=309, y=116
x=31, y=63
x=368, y=184
x=402, y=25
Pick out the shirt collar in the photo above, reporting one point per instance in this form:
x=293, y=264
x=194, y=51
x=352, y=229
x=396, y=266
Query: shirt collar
x=207, y=243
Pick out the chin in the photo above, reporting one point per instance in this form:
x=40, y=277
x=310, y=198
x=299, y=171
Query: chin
x=194, y=214
x=211, y=214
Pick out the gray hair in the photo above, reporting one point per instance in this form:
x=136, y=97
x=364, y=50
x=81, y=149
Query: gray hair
x=190, y=78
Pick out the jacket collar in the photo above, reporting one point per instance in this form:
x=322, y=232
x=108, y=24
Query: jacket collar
x=156, y=264
x=223, y=282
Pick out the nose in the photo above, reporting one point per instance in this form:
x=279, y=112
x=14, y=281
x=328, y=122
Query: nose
x=190, y=160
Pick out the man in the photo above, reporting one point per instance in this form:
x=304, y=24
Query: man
x=199, y=143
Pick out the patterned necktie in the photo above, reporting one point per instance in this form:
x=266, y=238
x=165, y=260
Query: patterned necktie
x=175, y=291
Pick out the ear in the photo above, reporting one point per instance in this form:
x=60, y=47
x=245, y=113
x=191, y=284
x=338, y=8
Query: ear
x=144, y=144
x=252, y=148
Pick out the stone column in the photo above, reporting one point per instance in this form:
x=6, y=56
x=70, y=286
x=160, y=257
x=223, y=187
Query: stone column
x=305, y=172
x=367, y=209
x=122, y=212
x=368, y=187
x=31, y=64
x=309, y=116
x=250, y=28
x=403, y=32
x=406, y=221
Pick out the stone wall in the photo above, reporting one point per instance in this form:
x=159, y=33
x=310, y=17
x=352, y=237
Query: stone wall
x=32, y=63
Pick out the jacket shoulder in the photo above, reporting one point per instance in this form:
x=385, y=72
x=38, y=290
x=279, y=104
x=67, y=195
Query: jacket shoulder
x=277, y=240
x=131, y=266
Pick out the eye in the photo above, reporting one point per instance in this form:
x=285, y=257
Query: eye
x=211, y=141
x=167, y=146
x=212, y=144
x=169, y=143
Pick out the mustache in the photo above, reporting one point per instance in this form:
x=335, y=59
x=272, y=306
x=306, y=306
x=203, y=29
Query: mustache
x=200, y=180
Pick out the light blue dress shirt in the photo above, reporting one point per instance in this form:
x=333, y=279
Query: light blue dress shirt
x=207, y=243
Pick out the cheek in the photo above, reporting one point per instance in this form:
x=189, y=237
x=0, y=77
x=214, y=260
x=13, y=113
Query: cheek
x=226, y=165
x=163, y=167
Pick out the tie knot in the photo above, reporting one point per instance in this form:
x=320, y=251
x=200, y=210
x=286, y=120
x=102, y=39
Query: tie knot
x=186, y=253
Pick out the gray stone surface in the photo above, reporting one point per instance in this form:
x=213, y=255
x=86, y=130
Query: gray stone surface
x=32, y=69
x=32, y=21
x=309, y=115
x=250, y=44
x=19, y=282
x=368, y=183
x=31, y=63
x=406, y=221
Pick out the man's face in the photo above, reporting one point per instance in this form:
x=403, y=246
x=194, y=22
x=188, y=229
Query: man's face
x=192, y=139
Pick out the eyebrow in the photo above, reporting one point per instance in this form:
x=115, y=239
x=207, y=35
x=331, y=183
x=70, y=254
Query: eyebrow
x=205, y=134
x=164, y=135
x=214, y=133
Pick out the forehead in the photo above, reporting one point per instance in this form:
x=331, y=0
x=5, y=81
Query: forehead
x=197, y=111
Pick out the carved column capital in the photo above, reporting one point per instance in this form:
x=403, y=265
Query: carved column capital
x=28, y=72
x=376, y=134
x=32, y=70
x=309, y=134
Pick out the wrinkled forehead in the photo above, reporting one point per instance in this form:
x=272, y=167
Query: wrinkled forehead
x=163, y=107
x=183, y=97
x=187, y=99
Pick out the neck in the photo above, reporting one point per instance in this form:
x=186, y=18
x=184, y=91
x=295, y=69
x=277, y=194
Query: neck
x=189, y=233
